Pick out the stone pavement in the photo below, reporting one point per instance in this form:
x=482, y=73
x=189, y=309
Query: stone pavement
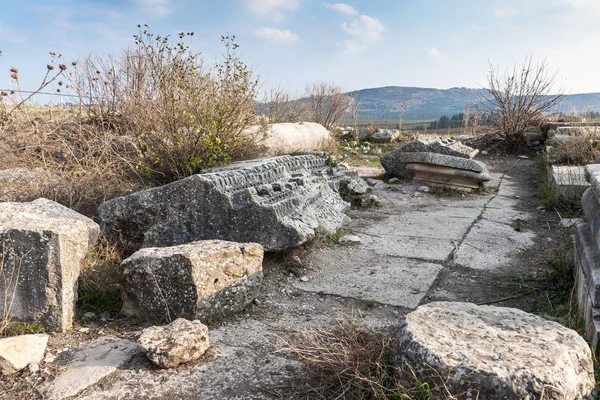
x=405, y=245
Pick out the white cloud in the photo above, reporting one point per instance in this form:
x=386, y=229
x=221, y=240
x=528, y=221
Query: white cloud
x=581, y=5
x=364, y=27
x=272, y=8
x=159, y=8
x=504, y=12
x=276, y=35
x=434, y=52
x=342, y=8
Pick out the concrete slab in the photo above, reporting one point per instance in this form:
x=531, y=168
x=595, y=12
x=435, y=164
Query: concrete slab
x=502, y=210
x=398, y=282
x=491, y=245
x=89, y=365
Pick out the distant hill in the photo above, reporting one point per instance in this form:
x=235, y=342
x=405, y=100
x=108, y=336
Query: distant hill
x=425, y=103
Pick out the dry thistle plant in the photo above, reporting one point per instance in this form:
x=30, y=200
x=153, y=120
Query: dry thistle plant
x=10, y=270
x=350, y=361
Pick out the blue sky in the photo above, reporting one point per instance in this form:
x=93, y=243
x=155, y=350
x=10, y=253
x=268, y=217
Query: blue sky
x=355, y=44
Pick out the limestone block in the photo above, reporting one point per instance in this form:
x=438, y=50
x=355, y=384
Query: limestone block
x=384, y=136
x=279, y=202
x=497, y=353
x=17, y=352
x=286, y=138
x=42, y=245
x=200, y=280
x=178, y=343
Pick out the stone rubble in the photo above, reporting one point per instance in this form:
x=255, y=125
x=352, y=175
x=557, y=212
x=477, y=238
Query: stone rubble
x=18, y=352
x=295, y=196
x=438, y=162
x=492, y=352
x=200, y=280
x=44, y=244
x=178, y=343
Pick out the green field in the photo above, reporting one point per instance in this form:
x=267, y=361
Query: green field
x=389, y=123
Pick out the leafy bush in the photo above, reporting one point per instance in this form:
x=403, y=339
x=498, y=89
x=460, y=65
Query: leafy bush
x=185, y=117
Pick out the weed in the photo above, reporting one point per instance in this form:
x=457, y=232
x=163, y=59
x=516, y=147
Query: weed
x=348, y=360
x=22, y=328
x=338, y=234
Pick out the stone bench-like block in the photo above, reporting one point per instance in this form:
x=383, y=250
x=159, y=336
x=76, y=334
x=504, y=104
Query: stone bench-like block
x=279, y=202
x=587, y=273
x=200, y=280
x=488, y=352
x=42, y=246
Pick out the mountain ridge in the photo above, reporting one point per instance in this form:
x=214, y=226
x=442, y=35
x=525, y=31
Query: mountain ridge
x=413, y=102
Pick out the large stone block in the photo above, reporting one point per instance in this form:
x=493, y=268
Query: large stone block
x=42, y=245
x=279, y=202
x=394, y=165
x=496, y=353
x=200, y=280
x=587, y=273
x=288, y=137
x=17, y=352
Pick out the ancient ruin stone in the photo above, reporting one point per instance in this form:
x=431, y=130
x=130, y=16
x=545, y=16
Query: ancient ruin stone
x=395, y=166
x=502, y=353
x=384, y=136
x=285, y=138
x=178, y=343
x=443, y=160
x=279, y=202
x=42, y=245
x=17, y=352
x=199, y=280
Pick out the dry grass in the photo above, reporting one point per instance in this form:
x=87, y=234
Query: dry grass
x=350, y=361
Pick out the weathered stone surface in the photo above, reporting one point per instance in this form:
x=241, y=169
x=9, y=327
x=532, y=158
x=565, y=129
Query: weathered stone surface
x=504, y=352
x=292, y=196
x=447, y=176
x=17, y=352
x=200, y=280
x=17, y=184
x=43, y=244
x=587, y=264
x=395, y=162
x=89, y=365
x=178, y=343
x=395, y=166
x=569, y=183
x=285, y=138
x=384, y=135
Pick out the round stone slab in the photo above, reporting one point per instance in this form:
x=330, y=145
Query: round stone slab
x=502, y=353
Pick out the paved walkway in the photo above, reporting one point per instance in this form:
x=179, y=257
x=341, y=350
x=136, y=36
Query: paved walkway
x=406, y=244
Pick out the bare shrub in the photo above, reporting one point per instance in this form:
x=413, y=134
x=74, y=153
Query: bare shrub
x=327, y=103
x=520, y=97
x=280, y=106
x=348, y=360
x=10, y=270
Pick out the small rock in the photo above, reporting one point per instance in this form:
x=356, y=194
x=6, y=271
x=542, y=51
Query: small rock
x=484, y=152
x=34, y=368
x=524, y=157
x=424, y=189
x=349, y=239
x=84, y=330
x=49, y=358
x=541, y=208
x=304, y=278
x=17, y=352
x=89, y=315
x=180, y=342
x=256, y=302
x=371, y=181
x=569, y=222
x=105, y=316
x=393, y=180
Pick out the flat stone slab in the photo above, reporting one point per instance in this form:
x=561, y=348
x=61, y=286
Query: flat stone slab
x=502, y=210
x=89, y=365
x=490, y=245
x=293, y=196
x=447, y=176
x=397, y=282
x=489, y=352
x=444, y=160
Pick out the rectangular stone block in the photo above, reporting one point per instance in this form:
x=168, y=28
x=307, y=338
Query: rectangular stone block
x=42, y=246
x=200, y=280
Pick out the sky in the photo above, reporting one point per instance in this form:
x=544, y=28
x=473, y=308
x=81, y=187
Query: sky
x=292, y=43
